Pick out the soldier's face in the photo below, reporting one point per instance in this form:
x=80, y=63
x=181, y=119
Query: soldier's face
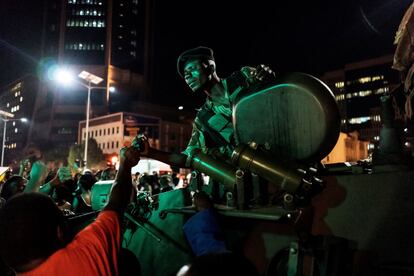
x=195, y=74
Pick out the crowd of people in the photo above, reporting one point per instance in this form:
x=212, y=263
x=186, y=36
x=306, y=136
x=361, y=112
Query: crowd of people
x=34, y=203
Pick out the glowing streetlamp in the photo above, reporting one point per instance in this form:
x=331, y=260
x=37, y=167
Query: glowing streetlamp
x=65, y=77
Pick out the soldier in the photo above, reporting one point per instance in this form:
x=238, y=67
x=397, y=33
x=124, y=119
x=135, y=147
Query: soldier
x=212, y=128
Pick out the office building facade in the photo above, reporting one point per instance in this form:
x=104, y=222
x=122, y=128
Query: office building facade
x=358, y=88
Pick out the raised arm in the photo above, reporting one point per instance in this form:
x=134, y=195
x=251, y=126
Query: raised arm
x=38, y=175
x=122, y=188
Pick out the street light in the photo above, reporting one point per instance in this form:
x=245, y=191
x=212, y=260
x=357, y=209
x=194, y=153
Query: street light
x=90, y=78
x=65, y=77
x=5, y=117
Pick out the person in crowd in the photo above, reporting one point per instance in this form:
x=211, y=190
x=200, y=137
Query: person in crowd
x=18, y=184
x=62, y=196
x=206, y=239
x=82, y=201
x=108, y=174
x=32, y=231
x=14, y=185
x=145, y=182
x=175, y=179
x=165, y=183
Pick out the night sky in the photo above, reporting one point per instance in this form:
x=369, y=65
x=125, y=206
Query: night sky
x=306, y=36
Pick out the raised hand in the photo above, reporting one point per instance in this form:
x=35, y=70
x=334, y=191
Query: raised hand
x=64, y=174
x=130, y=156
x=141, y=142
x=264, y=73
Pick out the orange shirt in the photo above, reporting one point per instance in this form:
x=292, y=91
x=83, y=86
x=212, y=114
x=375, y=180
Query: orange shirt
x=93, y=251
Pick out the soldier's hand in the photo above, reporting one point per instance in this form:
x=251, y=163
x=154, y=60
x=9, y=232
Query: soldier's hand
x=264, y=73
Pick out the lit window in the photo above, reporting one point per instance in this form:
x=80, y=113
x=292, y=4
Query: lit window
x=364, y=79
x=14, y=123
x=365, y=93
x=8, y=104
x=377, y=118
x=339, y=84
x=16, y=130
x=340, y=97
x=375, y=78
x=359, y=120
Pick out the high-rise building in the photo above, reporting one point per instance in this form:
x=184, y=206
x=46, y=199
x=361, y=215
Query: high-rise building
x=17, y=98
x=103, y=37
x=357, y=88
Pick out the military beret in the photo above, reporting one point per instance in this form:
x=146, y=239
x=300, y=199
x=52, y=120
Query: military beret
x=201, y=52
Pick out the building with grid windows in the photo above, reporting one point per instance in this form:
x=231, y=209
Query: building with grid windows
x=357, y=88
x=114, y=131
x=17, y=98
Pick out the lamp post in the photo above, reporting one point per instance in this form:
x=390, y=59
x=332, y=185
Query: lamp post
x=90, y=78
x=5, y=118
x=65, y=77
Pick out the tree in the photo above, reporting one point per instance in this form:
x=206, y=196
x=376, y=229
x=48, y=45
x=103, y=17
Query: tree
x=96, y=158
